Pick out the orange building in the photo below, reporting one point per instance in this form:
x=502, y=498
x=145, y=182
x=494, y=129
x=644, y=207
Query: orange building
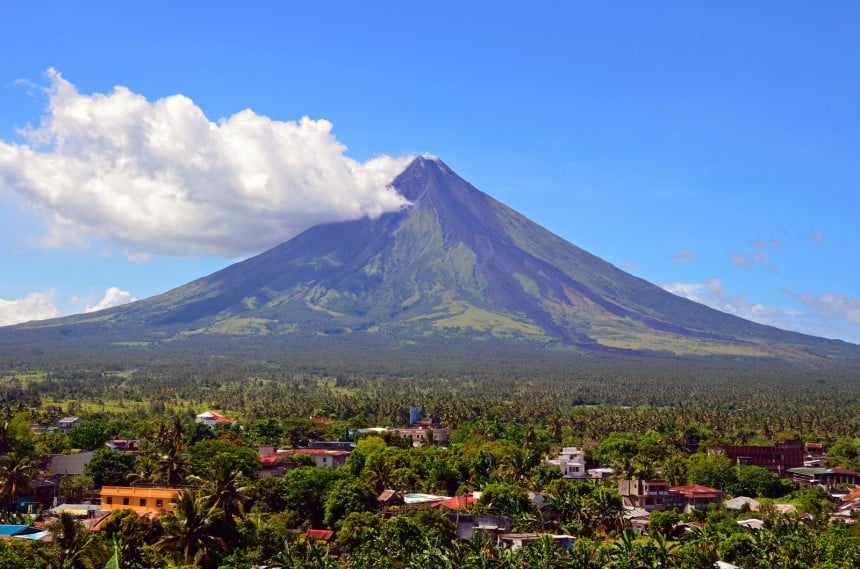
x=141, y=499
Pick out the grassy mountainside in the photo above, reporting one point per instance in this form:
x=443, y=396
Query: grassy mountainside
x=455, y=263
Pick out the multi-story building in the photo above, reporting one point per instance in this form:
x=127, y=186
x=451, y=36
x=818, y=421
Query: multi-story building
x=777, y=458
x=649, y=495
x=571, y=462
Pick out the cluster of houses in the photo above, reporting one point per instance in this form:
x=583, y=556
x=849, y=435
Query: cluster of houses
x=789, y=459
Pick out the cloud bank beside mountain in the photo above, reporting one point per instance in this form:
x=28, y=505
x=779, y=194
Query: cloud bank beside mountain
x=161, y=178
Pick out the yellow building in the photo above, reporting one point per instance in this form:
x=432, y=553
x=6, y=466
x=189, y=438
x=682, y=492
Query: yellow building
x=143, y=500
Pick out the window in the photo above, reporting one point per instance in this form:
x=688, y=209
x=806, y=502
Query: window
x=110, y=500
x=159, y=503
x=125, y=501
x=143, y=502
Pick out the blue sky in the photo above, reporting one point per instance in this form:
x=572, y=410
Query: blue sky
x=711, y=149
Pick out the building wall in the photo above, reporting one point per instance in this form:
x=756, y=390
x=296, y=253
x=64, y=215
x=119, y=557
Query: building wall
x=141, y=500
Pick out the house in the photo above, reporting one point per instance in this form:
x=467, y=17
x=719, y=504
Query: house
x=738, y=503
x=69, y=464
x=848, y=509
x=778, y=458
x=211, y=418
x=88, y=511
x=698, y=497
x=827, y=477
x=422, y=435
x=649, y=495
x=20, y=531
x=518, y=540
x=639, y=520
x=598, y=474
x=141, y=499
x=321, y=535
x=571, y=463
x=752, y=523
x=67, y=423
x=123, y=445
x=815, y=451
x=389, y=499
x=470, y=525
x=42, y=492
x=463, y=502
x=323, y=458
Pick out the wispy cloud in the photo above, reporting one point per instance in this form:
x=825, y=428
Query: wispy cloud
x=829, y=315
x=713, y=293
x=161, y=178
x=832, y=307
x=684, y=256
x=764, y=245
x=749, y=260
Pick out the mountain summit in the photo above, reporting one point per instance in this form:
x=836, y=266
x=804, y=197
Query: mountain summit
x=455, y=262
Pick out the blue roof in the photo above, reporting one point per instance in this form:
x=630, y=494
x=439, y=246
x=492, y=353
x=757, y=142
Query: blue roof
x=11, y=529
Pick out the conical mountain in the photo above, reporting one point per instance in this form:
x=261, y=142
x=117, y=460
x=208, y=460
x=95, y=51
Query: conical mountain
x=455, y=262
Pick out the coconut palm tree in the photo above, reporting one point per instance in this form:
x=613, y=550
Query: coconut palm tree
x=188, y=533
x=75, y=547
x=223, y=491
x=16, y=471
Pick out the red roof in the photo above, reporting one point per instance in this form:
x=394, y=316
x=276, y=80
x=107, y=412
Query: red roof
x=322, y=421
x=462, y=502
x=287, y=454
x=697, y=490
x=319, y=534
x=840, y=470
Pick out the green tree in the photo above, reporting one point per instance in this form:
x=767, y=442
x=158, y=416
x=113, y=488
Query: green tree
x=201, y=455
x=75, y=489
x=134, y=533
x=306, y=492
x=662, y=522
x=110, y=467
x=358, y=530
x=712, y=469
x=505, y=499
x=756, y=481
x=88, y=435
x=347, y=496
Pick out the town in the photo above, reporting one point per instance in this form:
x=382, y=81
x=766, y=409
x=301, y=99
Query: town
x=294, y=492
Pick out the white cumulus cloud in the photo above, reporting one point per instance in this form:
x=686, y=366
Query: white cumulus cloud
x=34, y=306
x=114, y=296
x=159, y=177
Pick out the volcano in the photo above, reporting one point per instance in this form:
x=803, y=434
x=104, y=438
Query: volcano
x=454, y=263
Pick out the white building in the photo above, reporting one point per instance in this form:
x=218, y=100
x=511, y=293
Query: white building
x=571, y=462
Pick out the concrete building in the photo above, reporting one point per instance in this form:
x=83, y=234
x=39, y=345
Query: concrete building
x=778, y=458
x=649, y=495
x=571, y=462
x=141, y=499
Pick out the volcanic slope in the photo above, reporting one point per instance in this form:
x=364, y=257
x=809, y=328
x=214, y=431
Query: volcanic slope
x=456, y=263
